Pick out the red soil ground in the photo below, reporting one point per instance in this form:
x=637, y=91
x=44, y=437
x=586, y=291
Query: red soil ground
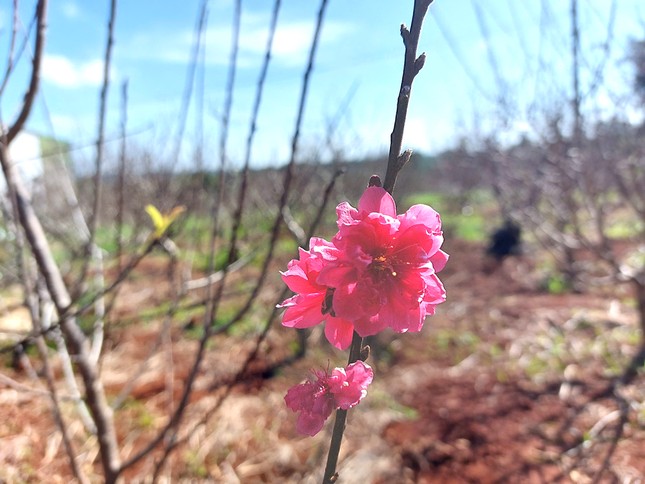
x=507, y=383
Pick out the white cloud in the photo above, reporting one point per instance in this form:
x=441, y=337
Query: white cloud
x=70, y=9
x=67, y=126
x=290, y=46
x=292, y=41
x=62, y=72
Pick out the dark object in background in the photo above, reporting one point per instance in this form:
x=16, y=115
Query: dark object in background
x=505, y=241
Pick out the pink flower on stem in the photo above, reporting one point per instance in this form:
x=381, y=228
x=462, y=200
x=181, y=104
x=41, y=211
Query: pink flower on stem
x=315, y=399
x=384, y=273
x=312, y=303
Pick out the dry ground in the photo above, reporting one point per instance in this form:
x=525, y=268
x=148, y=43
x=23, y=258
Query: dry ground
x=505, y=384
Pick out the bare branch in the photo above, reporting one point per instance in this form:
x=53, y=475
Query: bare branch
x=99, y=145
x=12, y=47
x=32, y=90
x=32, y=303
x=34, y=233
x=121, y=175
x=411, y=66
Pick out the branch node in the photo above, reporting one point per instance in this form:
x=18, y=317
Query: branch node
x=403, y=159
x=365, y=352
x=405, y=35
x=419, y=63
x=375, y=181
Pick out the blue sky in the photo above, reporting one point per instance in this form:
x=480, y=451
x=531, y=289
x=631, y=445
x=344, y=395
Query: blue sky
x=357, y=72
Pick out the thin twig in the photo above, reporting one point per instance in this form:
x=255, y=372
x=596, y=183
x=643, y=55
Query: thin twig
x=48, y=268
x=177, y=415
x=288, y=176
x=90, y=248
x=121, y=176
x=331, y=475
x=53, y=393
x=30, y=95
x=396, y=161
x=70, y=311
x=256, y=348
x=190, y=79
x=622, y=414
x=411, y=67
x=12, y=48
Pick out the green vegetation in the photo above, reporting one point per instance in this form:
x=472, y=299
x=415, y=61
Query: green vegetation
x=457, y=344
x=383, y=399
x=462, y=217
x=139, y=413
x=194, y=466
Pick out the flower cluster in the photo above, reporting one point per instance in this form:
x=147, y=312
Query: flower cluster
x=379, y=271
x=317, y=398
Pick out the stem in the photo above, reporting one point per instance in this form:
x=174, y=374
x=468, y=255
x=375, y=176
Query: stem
x=396, y=160
x=339, y=423
x=411, y=67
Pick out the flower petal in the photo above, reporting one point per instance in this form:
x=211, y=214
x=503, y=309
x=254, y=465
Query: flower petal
x=439, y=260
x=303, y=311
x=377, y=199
x=349, y=385
x=339, y=332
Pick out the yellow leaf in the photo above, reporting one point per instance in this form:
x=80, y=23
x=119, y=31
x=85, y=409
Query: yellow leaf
x=175, y=212
x=161, y=221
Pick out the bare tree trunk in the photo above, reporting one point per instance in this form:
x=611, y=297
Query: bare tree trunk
x=95, y=396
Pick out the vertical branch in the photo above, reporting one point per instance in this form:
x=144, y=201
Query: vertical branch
x=12, y=48
x=289, y=170
x=214, y=298
x=121, y=175
x=34, y=81
x=396, y=161
x=32, y=303
x=575, y=66
x=95, y=396
x=330, y=476
x=177, y=415
x=492, y=61
x=190, y=79
x=223, y=139
x=92, y=252
x=100, y=138
x=35, y=236
x=237, y=218
x=411, y=67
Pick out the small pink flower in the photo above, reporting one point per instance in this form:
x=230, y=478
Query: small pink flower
x=312, y=303
x=315, y=399
x=384, y=273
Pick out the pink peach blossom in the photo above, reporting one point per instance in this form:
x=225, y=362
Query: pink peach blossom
x=384, y=273
x=315, y=399
x=312, y=303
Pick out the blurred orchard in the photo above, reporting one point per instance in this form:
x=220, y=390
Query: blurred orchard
x=141, y=335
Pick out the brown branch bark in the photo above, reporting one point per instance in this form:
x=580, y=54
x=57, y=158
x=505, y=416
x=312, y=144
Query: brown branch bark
x=34, y=81
x=100, y=139
x=411, y=67
x=35, y=236
x=396, y=161
x=12, y=48
x=121, y=174
x=95, y=396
